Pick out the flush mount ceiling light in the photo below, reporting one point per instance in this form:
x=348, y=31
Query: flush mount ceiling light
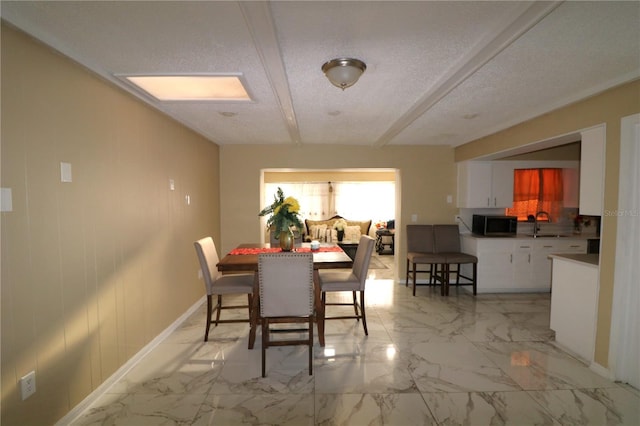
x=192, y=87
x=344, y=72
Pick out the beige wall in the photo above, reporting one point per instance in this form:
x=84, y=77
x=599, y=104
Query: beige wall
x=608, y=107
x=329, y=176
x=92, y=270
x=427, y=175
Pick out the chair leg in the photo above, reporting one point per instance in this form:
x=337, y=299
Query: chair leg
x=475, y=279
x=457, y=274
x=414, y=279
x=445, y=279
x=310, y=346
x=218, y=309
x=209, y=309
x=265, y=343
x=364, y=315
x=355, y=305
x=406, y=281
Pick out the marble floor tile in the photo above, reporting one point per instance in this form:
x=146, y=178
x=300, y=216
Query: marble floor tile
x=372, y=409
x=279, y=409
x=456, y=367
x=602, y=406
x=428, y=359
x=144, y=409
x=175, y=369
x=539, y=366
x=487, y=408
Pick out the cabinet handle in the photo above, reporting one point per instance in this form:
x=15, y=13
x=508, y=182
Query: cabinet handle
x=529, y=258
x=495, y=201
x=547, y=246
x=488, y=201
x=511, y=258
x=576, y=246
x=525, y=246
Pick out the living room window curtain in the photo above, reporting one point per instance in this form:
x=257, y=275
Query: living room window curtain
x=313, y=197
x=365, y=200
x=537, y=190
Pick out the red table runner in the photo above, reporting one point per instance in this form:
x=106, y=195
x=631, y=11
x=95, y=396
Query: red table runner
x=258, y=250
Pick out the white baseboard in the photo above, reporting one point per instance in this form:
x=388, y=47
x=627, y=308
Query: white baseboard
x=601, y=370
x=86, y=403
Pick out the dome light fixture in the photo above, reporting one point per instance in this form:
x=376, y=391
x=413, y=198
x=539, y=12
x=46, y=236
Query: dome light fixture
x=343, y=72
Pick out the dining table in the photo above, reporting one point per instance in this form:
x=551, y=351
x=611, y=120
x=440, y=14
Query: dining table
x=244, y=258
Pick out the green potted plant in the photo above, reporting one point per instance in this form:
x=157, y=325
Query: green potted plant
x=340, y=225
x=284, y=217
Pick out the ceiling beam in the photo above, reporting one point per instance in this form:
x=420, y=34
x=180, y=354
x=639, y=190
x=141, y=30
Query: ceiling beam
x=528, y=16
x=260, y=23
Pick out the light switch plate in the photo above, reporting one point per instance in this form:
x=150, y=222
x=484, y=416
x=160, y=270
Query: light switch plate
x=65, y=172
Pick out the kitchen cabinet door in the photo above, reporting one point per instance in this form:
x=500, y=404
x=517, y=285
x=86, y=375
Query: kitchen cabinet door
x=474, y=184
x=521, y=259
x=541, y=264
x=495, y=270
x=502, y=184
x=485, y=184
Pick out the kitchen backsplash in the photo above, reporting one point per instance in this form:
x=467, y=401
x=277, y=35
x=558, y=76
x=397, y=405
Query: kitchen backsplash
x=569, y=222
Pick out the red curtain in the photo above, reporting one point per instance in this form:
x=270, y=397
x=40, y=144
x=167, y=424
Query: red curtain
x=537, y=190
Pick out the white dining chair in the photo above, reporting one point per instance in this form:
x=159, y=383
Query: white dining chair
x=353, y=280
x=286, y=296
x=218, y=285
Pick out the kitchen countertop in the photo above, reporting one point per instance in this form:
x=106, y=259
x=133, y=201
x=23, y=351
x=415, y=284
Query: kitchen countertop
x=592, y=260
x=529, y=237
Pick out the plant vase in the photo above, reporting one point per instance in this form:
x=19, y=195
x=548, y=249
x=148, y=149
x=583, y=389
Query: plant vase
x=287, y=240
x=340, y=235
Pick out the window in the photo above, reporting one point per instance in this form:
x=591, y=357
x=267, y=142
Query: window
x=351, y=200
x=536, y=190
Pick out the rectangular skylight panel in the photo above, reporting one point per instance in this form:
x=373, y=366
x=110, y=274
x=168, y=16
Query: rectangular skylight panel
x=192, y=88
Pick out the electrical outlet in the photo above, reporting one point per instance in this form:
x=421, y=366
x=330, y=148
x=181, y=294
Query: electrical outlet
x=28, y=385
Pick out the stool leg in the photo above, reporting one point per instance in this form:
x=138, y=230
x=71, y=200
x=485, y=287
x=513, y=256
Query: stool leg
x=414, y=279
x=406, y=282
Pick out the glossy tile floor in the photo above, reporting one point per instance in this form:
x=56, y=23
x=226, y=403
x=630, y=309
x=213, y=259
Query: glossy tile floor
x=428, y=360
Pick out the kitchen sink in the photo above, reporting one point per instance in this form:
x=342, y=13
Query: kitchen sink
x=548, y=235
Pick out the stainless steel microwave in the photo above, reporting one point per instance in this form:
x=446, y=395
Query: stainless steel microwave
x=494, y=226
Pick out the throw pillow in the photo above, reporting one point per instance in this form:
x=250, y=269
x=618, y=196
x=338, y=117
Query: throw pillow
x=352, y=233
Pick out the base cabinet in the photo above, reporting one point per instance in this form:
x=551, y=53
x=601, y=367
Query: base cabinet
x=574, y=306
x=516, y=264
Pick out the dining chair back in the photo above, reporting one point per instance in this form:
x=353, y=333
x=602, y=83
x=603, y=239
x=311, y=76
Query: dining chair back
x=354, y=281
x=286, y=296
x=219, y=285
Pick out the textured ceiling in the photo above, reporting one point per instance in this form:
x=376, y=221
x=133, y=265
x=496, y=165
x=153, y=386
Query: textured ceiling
x=437, y=72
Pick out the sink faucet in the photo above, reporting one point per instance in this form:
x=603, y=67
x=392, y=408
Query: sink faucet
x=535, y=221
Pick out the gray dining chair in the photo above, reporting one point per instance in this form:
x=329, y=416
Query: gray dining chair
x=421, y=251
x=286, y=296
x=218, y=285
x=447, y=243
x=353, y=280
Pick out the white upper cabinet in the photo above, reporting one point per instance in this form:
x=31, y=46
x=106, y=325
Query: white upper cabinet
x=485, y=184
x=571, y=189
x=592, y=153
